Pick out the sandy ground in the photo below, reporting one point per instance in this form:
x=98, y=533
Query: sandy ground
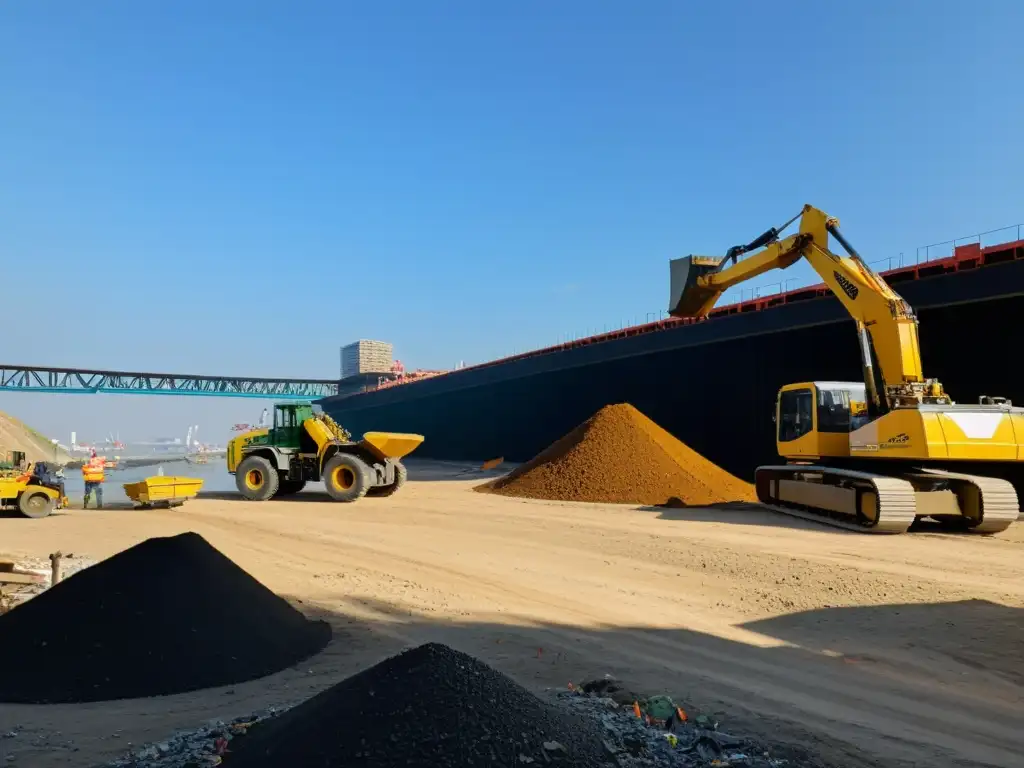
x=865, y=651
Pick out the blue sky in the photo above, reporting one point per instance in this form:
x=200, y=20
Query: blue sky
x=242, y=187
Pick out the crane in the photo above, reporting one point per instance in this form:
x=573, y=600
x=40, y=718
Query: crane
x=877, y=454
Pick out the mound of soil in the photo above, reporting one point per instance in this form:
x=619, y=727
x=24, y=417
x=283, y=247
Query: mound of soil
x=620, y=456
x=166, y=616
x=16, y=436
x=430, y=706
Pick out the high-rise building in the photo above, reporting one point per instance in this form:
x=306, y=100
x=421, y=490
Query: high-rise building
x=366, y=356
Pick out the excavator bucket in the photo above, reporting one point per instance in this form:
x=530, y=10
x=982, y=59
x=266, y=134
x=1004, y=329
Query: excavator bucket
x=688, y=299
x=391, y=445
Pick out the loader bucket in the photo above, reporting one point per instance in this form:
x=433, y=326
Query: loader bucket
x=391, y=445
x=688, y=299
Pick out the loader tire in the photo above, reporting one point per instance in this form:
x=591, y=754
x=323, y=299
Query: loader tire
x=290, y=487
x=257, y=479
x=346, y=477
x=401, y=475
x=34, y=504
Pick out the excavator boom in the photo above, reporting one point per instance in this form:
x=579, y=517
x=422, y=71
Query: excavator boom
x=886, y=323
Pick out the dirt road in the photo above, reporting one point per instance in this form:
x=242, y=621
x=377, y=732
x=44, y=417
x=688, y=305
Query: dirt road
x=862, y=650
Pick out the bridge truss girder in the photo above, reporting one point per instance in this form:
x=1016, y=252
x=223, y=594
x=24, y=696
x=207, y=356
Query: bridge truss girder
x=23, y=378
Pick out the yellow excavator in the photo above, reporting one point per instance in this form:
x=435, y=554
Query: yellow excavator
x=875, y=455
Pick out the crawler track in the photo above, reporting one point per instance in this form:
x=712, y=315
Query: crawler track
x=896, y=498
x=999, y=507
x=897, y=504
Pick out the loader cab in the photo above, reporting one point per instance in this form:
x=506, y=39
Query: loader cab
x=814, y=419
x=288, y=420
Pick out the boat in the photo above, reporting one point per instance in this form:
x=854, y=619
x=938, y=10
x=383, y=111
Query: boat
x=691, y=375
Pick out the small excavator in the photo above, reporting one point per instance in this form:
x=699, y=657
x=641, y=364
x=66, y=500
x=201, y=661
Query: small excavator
x=874, y=455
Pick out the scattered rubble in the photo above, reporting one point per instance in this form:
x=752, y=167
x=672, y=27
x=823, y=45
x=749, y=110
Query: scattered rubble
x=620, y=456
x=207, y=745
x=659, y=733
x=168, y=615
x=460, y=715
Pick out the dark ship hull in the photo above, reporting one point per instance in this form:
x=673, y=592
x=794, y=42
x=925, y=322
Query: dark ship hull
x=713, y=384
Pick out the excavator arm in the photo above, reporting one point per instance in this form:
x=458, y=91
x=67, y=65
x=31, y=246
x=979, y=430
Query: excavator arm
x=886, y=324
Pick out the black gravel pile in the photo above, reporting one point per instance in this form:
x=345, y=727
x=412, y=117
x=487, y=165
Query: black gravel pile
x=166, y=616
x=430, y=706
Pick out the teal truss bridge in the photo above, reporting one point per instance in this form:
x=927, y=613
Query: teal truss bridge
x=26, y=378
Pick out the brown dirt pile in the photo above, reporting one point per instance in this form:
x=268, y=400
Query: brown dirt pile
x=620, y=456
x=15, y=436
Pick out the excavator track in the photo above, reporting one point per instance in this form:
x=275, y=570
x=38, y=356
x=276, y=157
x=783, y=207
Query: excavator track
x=1000, y=506
x=896, y=499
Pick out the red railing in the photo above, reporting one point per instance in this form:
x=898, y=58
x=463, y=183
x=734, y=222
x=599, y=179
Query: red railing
x=965, y=257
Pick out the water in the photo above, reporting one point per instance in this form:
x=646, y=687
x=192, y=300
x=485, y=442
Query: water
x=214, y=475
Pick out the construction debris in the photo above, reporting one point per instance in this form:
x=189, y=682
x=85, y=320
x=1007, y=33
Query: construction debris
x=621, y=456
x=207, y=745
x=430, y=706
x=168, y=615
x=394, y=712
x=635, y=737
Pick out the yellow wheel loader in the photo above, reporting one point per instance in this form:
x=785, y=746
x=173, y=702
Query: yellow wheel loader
x=878, y=454
x=35, y=490
x=306, y=446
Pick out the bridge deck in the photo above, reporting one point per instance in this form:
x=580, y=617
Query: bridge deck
x=26, y=378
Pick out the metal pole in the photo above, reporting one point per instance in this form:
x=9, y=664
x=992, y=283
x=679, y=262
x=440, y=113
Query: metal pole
x=55, y=568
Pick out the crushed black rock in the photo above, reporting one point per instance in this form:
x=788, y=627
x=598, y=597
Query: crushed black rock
x=625, y=740
x=167, y=616
x=429, y=706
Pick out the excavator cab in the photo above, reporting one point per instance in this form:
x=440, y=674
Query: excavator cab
x=814, y=419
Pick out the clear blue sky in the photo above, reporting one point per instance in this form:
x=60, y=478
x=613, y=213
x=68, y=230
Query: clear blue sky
x=240, y=187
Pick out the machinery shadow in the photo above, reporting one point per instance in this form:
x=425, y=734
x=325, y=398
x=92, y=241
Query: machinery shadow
x=740, y=513
x=866, y=687
x=420, y=470
x=985, y=638
x=752, y=513
x=311, y=495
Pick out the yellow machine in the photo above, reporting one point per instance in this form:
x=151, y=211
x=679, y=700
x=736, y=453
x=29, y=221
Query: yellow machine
x=163, y=491
x=305, y=446
x=33, y=489
x=878, y=454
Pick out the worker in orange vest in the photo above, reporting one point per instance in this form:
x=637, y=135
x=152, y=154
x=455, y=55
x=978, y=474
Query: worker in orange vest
x=92, y=473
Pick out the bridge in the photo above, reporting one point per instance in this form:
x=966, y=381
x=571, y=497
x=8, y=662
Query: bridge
x=27, y=378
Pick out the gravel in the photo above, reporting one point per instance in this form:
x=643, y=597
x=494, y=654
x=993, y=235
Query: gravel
x=431, y=706
x=167, y=616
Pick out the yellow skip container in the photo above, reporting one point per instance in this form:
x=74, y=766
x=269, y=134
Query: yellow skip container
x=163, y=491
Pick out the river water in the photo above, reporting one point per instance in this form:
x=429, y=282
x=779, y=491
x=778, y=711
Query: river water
x=214, y=475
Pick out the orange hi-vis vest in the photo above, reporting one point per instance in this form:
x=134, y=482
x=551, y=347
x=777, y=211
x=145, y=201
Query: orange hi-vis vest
x=92, y=470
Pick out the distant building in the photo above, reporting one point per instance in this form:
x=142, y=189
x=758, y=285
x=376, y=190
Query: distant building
x=365, y=356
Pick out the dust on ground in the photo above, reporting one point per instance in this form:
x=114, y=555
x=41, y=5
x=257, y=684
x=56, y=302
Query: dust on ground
x=865, y=650
x=619, y=455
